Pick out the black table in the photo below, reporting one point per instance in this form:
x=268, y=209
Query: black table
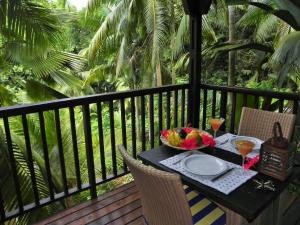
x=245, y=200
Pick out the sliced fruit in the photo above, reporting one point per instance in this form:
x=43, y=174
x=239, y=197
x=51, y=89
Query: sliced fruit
x=174, y=139
x=192, y=134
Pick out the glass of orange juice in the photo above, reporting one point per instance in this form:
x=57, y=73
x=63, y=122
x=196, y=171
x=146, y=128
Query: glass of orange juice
x=244, y=147
x=215, y=124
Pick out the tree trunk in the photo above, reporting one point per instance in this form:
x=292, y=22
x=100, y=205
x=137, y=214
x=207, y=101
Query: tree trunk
x=231, y=54
x=158, y=75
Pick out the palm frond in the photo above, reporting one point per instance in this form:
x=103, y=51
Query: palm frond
x=29, y=24
x=287, y=55
x=6, y=97
x=41, y=92
x=266, y=28
x=121, y=56
x=226, y=47
x=99, y=73
x=284, y=15
x=181, y=35
x=156, y=26
x=44, y=65
x=108, y=26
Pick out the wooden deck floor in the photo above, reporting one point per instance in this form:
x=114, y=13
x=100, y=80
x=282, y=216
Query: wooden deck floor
x=118, y=207
x=122, y=206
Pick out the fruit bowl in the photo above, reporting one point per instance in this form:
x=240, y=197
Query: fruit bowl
x=186, y=138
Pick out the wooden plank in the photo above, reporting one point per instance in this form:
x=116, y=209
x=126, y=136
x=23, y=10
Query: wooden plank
x=138, y=221
x=128, y=219
x=86, y=204
x=127, y=209
x=103, y=208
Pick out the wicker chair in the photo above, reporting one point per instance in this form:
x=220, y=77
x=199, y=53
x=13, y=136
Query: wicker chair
x=259, y=123
x=166, y=202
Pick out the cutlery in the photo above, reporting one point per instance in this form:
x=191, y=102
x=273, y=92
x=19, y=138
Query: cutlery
x=222, y=174
x=191, y=153
x=224, y=142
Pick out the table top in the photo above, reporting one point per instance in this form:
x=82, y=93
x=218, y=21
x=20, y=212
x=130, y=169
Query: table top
x=245, y=200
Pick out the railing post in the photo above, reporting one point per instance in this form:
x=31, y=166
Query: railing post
x=195, y=69
x=89, y=150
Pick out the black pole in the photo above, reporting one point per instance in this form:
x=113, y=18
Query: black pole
x=195, y=69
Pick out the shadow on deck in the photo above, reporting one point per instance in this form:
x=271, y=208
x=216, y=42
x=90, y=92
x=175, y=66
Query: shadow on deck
x=118, y=207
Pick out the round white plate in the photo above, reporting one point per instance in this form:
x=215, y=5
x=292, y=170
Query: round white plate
x=204, y=165
x=256, y=141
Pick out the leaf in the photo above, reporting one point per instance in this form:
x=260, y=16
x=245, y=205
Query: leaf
x=180, y=35
x=29, y=23
x=156, y=26
x=108, y=26
x=6, y=97
x=39, y=92
x=284, y=15
x=121, y=56
x=236, y=46
x=286, y=56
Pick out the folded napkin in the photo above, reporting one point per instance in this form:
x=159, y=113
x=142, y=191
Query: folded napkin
x=226, y=184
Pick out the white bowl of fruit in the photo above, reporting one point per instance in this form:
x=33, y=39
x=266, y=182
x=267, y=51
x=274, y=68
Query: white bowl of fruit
x=186, y=138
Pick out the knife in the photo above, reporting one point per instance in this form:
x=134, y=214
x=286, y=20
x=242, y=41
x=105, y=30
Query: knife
x=222, y=174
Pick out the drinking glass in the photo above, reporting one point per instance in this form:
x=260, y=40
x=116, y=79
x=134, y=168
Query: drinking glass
x=244, y=147
x=215, y=124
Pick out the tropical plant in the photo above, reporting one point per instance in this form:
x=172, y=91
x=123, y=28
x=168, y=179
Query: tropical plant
x=276, y=35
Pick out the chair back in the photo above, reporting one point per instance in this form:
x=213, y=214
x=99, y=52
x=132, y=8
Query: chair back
x=259, y=123
x=163, y=199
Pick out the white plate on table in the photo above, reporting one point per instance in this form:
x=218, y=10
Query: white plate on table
x=204, y=165
x=256, y=141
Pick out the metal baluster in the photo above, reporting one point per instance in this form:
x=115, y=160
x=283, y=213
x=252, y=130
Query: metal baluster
x=256, y=101
x=233, y=109
x=143, y=113
x=12, y=162
x=101, y=141
x=204, y=109
x=168, y=110
x=295, y=107
x=30, y=160
x=46, y=155
x=133, y=129
x=112, y=137
x=89, y=150
x=245, y=100
x=281, y=105
x=75, y=147
x=2, y=210
x=151, y=121
x=60, y=152
x=176, y=108
x=213, y=107
x=124, y=134
x=182, y=107
x=160, y=112
x=223, y=109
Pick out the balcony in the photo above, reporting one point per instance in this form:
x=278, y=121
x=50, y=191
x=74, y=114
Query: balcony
x=52, y=176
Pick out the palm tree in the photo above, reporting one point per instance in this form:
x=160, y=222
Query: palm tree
x=281, y=19
x=29, y=35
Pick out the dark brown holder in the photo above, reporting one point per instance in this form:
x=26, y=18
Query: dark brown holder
x=277, y=155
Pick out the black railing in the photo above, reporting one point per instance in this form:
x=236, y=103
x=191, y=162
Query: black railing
x=227, y=102
x=133, y=118
x=138, y=108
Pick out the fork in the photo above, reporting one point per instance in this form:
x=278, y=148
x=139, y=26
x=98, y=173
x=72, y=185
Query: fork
x=178, y=161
